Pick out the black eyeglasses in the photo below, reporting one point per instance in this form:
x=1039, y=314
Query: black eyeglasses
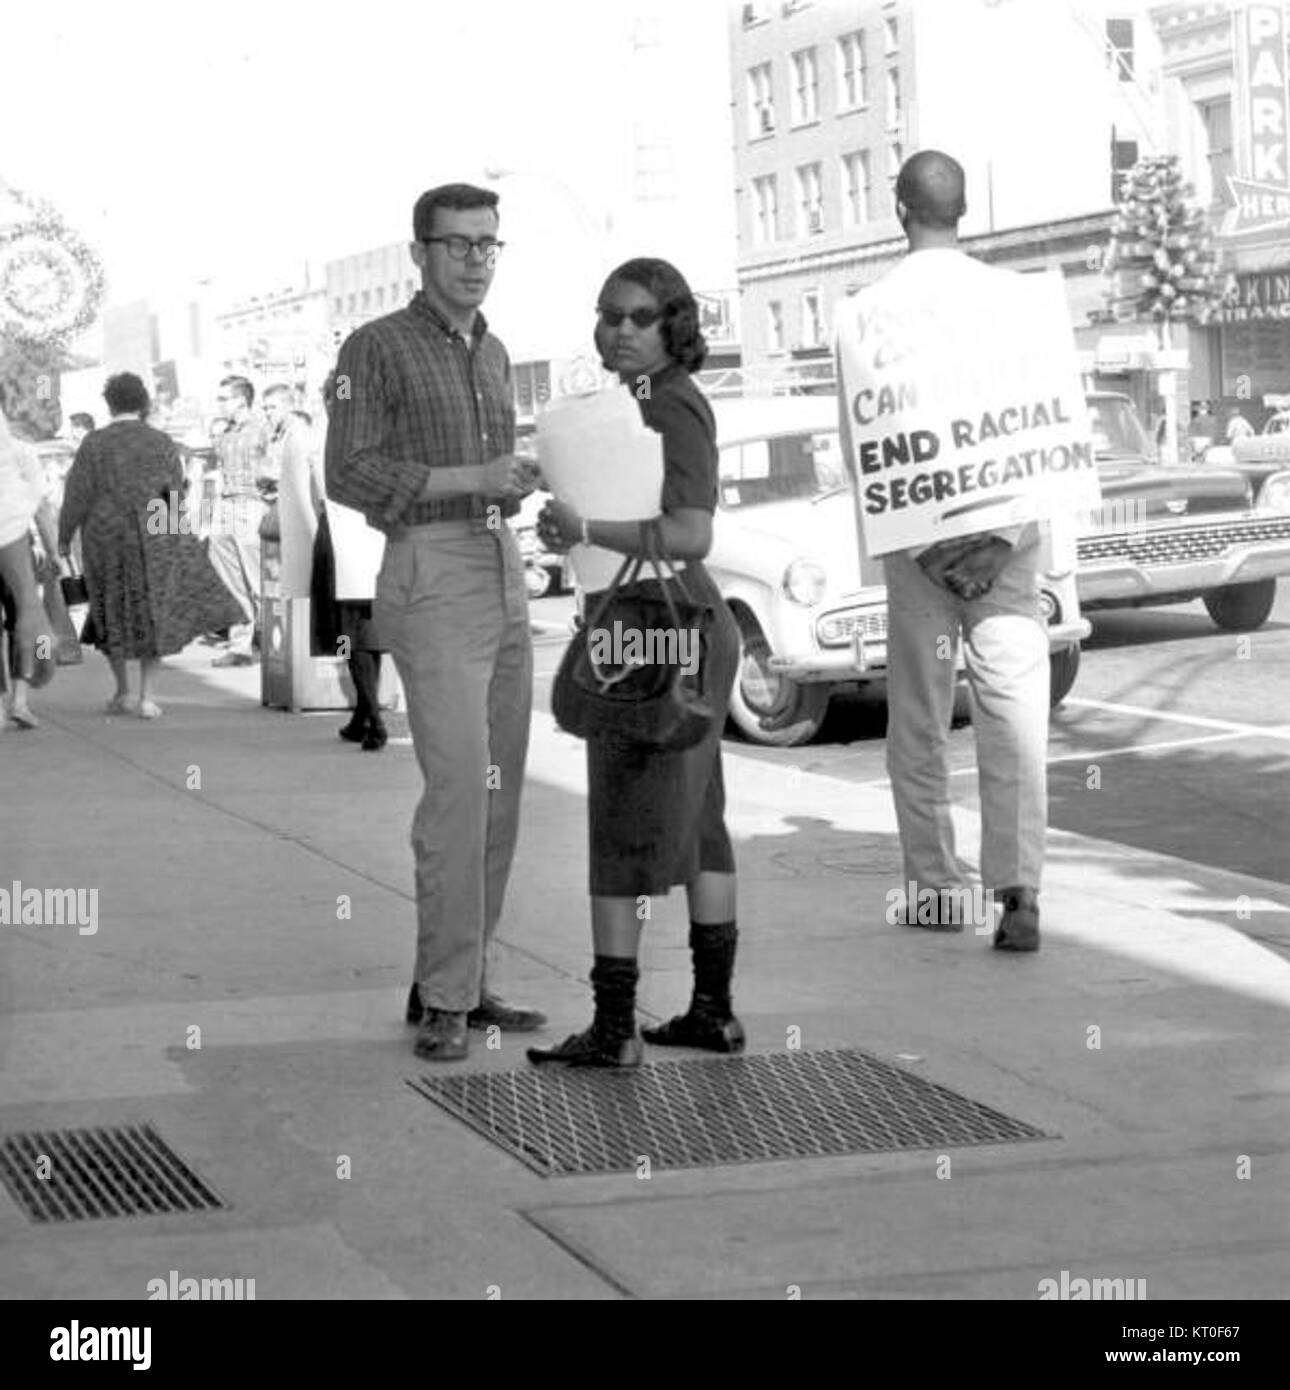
x=642, y=318
x=459, y=247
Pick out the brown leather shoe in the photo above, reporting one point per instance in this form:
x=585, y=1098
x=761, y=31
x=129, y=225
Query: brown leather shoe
x=442, y=1036
x=494, y=1012
x=1018, y=928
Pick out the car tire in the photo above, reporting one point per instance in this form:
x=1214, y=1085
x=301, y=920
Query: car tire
x=1063, y=667
x=796, y=710
x=1241, y=607
x=537, y=580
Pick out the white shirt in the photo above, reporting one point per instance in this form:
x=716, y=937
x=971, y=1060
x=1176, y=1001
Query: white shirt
x=22, y=486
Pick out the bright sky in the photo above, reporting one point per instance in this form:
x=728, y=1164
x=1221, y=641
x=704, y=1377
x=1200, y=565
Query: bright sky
x=236, y=140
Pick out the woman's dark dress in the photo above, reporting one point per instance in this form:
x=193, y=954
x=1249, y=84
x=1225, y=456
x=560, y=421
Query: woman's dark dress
x=151, y=588
x=658, y=819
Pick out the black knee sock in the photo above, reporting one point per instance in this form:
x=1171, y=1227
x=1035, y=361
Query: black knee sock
x=362, y=670
x=712, y=949
x=614, y=980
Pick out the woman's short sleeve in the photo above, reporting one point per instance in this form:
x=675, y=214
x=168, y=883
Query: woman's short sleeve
x=683, y=418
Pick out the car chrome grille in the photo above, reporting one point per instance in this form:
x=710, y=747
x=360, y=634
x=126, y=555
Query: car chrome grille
x=1181, y=547
x=838, y=629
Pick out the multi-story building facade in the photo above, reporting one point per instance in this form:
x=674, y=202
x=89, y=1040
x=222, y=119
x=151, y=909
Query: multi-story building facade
x=1044, y=105
x=280, y=336
x=1228, y=116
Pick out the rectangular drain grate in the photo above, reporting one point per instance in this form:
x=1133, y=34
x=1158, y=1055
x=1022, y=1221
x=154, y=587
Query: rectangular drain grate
x=75, y=1174
x=692, y=1114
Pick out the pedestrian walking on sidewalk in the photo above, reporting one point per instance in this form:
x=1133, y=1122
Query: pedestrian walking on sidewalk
x=420, y=439
x=151, y=586
x=247, y=484
x=984, y=586
x=345, y=562
x=657, y=818
x=25, y=622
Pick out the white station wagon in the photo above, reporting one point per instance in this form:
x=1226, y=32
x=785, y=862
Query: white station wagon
x=785, y=555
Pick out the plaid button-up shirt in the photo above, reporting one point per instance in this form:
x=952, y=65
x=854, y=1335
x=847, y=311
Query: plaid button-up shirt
x=241, y=451
x=412, y=395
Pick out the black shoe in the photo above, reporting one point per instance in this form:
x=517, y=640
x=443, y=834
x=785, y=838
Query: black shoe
x=1018, y=928
x=376, y=737
x=493, y=1012
x=355, y=731
x=416, y=1009
x=443, y=1037
x=700, y=1030
x=591, y=1049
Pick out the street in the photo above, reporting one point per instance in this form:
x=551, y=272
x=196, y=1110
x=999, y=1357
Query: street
x=1172, y=711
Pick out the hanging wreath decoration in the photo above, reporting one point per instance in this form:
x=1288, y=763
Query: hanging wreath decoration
x=51, y=282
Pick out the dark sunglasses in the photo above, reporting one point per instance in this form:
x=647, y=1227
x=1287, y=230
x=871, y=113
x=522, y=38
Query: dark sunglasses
x=642, y=318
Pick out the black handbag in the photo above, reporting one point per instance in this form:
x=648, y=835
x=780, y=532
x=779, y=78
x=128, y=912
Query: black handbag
x=624, y=673
x=74, y=589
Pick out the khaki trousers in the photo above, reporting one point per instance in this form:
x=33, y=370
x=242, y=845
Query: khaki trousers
x=452, y=610
x=1005, y=648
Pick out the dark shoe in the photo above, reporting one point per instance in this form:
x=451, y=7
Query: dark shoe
x=355, y=731
x=416, y=1009
x=493, y=1012
x=590, y=1049
x=701, y=1030
x=1018, y=929
x=442, y=1037
x=945, y=914
x=69, y=655
x=233, y=659
x=376, y=737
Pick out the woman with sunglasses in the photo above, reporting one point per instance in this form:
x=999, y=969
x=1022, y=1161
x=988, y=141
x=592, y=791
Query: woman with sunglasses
x=657, y=819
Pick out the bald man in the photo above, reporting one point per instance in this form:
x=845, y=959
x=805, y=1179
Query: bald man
x=983, y=588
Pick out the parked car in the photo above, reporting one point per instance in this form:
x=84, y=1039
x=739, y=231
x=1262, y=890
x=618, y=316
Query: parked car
x=544, y=572
x=1271, y=445
x=812, y=614
x=1170, y=534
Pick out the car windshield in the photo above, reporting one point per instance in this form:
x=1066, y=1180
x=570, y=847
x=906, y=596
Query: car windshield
x=784, y=467
x=1117, y=431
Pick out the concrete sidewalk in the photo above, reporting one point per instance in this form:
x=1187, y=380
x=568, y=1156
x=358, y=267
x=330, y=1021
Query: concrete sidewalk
x=1149, y=1035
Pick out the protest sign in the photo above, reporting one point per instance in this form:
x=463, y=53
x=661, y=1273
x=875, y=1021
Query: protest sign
x=962, y=405
x=599, y=456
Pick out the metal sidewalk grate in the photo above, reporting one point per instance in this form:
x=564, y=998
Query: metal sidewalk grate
x=74, y=1174
x=692, y=1114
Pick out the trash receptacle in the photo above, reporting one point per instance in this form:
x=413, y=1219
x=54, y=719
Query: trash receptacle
x=291, y=678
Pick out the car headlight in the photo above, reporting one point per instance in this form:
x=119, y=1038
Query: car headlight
x=1274, y=495
x=805, y=582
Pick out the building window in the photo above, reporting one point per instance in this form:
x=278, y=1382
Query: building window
x=812, y=323
x=855, y=189
x=409, y=288
x=851, y=71
x=890, y=35
x=893, y=97
x=353, y=303
x=761, y=102
x=775, y=326
x=810, y=200
x=1217, y=119
x=338, y=305
x=1124, y=155
x=532, y=381
x=1119, y=43
x=380, y=296
x=765, y=210
x=895, y=157
x=756, y=12
x=394, y=293
x=806, y=87
x=366, y=300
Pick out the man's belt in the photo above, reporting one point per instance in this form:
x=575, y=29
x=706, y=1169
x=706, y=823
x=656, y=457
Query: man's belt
x=453, y=509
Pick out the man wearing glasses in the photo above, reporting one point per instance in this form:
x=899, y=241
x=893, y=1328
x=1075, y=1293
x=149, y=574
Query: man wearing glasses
x=245, y=485
x=420, y=440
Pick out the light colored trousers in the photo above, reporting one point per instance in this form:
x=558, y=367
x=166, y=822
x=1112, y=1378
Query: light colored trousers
x=452, y=609
x=1005, y=648
x=234, y=553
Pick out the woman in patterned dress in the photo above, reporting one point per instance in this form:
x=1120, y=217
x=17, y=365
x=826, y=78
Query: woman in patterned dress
x=151, y=587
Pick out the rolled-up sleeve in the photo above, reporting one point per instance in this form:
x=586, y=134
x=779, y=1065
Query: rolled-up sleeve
x=361, y=472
